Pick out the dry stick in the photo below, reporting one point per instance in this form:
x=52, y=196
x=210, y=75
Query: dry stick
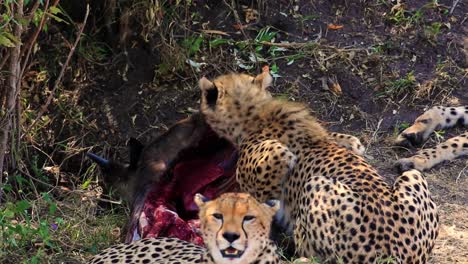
x=4, y=60
x=29, y=46
x=238, y=21
x=32, y=40
x=59, y=79
x=32, y=11
x=293, y=45
x=455, y=3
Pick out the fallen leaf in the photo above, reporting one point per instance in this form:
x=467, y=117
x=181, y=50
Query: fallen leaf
x=332, y=85
x=335, y=88
x=334, y=27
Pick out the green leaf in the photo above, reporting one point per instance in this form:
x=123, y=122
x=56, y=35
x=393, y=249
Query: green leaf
x=7, y=213
x=12, y=37
x=6, y=42
x=58, y=19
x=59, y=220
x=22, y=205
x=52, y=208
x=218, y=42
x=86, y=184
x=55, y=10
x=7, y=188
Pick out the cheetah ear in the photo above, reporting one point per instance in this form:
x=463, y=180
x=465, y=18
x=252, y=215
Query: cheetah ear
x=264, y=79
x=205, y=84
x=200, y=200
x=273, y=205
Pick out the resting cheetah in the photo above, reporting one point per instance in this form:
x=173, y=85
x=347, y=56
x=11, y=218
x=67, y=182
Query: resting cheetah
x=435, y=118
x=235, y=229
x=337, y=206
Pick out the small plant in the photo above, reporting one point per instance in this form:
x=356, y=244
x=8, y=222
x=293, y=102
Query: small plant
x=400, y=86
x=400, y=127
x=193, y=44
x=432, y=32
x=439, y=135
x=21, y=232
x=404, y=18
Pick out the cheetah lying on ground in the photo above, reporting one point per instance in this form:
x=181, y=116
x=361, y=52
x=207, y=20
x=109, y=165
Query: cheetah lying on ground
x=235, y=229
x=337, y=206
x=435, y=118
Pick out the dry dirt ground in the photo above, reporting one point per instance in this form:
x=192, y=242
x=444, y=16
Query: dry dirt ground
x=366, y=68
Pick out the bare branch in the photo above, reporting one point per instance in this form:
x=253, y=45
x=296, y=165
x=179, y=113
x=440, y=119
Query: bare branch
x=62, y=72
x=33, y=38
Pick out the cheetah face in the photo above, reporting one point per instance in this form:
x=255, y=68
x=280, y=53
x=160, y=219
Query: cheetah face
x=226, y=100
x=235, y=226
x=423, y=126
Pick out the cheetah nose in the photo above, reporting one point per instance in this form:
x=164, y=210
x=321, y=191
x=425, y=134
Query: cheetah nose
x=414, y=139
x=231, y=237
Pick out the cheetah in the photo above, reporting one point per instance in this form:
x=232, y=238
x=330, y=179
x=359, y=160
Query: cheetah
x=437, y=117
x=336, y=206
x=235, y=228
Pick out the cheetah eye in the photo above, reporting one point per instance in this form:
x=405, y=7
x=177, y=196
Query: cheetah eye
x=218, y=216
x=249, y=218
x=424, y=121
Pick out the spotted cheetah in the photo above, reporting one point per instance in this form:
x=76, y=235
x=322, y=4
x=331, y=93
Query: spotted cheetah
x=435, y=118
x=235, y=229
x=335, y=204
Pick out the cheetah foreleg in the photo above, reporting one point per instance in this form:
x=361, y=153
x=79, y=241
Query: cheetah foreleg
x=349, y=142
x=428, y=158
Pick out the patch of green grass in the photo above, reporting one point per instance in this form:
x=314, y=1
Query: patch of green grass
x=38, y=229
x=400, y=86
x=432, y=31
x=405, y=18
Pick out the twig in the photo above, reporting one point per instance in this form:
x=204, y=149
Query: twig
x=32, y=40
x=455, y=3
x=33, y=10
x=238, y=21
x=4, y=60
x=293, y=45
x=62, y=72
x=13, y=91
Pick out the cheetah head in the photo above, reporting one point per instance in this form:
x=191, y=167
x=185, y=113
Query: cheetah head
x=235, y=226
x=423, y=126
x=229, y=100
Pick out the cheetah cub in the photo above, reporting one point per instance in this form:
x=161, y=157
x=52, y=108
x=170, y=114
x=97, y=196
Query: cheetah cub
x=438, y=117
x=334, y=203
x=235, y=229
